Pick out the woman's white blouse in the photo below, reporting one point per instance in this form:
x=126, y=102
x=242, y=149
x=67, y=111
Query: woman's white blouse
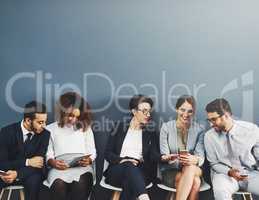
x=66, y=141
x=132, y=145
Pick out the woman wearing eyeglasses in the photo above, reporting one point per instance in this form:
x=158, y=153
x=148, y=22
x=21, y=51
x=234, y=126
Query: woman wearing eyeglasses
x=71, y=137
x=182, y=147
x=132, y=151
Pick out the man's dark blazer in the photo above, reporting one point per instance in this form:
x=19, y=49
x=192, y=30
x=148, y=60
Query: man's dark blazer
x=150, y=150
x=13, y=154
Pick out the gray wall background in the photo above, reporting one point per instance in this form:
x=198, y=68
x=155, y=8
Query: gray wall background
x=213, y=44
x=193, y=42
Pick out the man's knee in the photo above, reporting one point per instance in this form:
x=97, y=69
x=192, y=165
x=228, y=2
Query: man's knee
x=221, y=193
x=223, y=188
x=33, y=181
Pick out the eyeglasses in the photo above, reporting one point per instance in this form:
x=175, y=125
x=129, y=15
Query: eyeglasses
x=214, y=119
x=145, y=111
x=186, y=110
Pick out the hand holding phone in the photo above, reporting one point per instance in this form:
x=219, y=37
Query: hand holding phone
x=9, y=176
x=169, y=157
x=183, y=152
x=174, y=156
x=243, y=173
x=2, y=173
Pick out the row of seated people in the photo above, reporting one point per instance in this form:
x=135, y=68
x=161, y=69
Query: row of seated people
x=31, y=153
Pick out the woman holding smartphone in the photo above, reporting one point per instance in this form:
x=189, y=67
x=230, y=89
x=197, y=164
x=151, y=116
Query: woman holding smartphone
x=71, y=150
x=181, y=143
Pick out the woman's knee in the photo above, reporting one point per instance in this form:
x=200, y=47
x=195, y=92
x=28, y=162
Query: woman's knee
x=192, y=170
x=177, y=179
x=131, y=169
x=59, y=186
x=85, y=182
x=87, y=178
x=196, y=184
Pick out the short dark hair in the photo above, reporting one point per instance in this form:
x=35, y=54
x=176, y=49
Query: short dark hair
x=219, y=105
x=138, y=99
x=185, y=98
x=33, y=107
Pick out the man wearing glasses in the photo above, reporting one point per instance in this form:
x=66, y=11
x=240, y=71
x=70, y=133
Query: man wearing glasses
x=232, y=148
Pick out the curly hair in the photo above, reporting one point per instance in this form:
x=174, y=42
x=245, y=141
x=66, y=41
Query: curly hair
x=73, y=100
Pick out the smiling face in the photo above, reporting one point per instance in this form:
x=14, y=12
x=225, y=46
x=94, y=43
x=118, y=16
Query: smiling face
x=185, y=113
x=71, y=116
x=143, y=113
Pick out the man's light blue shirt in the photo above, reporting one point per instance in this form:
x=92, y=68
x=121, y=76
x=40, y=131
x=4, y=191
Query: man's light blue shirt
x=245, y=139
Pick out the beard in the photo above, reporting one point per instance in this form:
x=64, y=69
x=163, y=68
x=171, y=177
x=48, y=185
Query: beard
x=33, y=129
x=219, y=129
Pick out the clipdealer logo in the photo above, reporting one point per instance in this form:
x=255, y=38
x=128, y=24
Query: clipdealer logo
x=244, y=84
x=163, y=94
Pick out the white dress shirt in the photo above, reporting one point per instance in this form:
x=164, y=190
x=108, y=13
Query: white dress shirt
x=132, y=145
x=25, y=132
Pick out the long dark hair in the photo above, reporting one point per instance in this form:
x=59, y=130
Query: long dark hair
x=73, y=100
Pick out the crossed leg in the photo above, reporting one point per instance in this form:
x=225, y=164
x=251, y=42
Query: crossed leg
x=188, y=183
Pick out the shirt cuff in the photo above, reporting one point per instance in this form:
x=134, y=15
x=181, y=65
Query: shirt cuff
x=27, y=162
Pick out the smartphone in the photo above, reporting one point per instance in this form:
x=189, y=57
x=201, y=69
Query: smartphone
x=3, y=173
x=183, y=152
x=244, y=175
x=173, y=156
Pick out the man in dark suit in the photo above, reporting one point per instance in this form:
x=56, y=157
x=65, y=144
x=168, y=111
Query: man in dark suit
x=23, y=146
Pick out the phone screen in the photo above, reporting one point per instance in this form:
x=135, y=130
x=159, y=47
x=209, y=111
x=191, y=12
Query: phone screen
x=184, y=152
x=3, y=173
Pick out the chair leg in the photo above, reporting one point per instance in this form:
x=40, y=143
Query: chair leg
x=170, y=196
x=9, y=194
x=21, y=194
x=116, y=195
x=1, y=194
x=248, y=196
